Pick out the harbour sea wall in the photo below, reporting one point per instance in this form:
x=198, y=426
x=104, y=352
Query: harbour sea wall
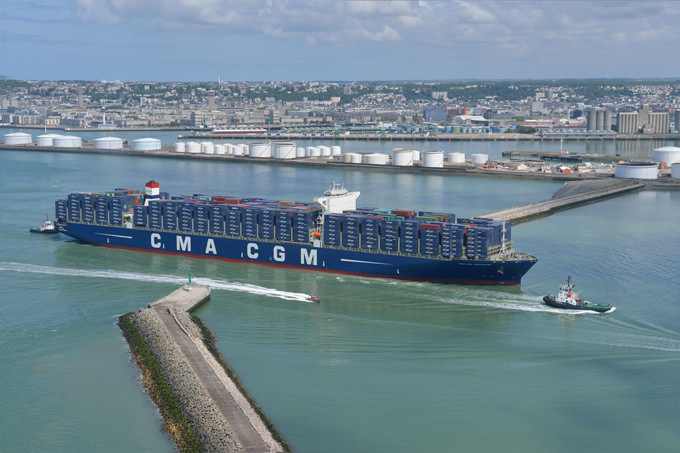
x=203, y=407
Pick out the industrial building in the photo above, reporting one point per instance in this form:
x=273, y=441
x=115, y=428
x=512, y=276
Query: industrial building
x=599, y=120
x=642, y=121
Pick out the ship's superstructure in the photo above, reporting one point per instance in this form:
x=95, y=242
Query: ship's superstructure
x=330, y=234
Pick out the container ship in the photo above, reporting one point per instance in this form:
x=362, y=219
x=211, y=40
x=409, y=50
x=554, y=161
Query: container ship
x=329, y=234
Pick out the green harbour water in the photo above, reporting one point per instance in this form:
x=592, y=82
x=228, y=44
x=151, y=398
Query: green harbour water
x=378, y=365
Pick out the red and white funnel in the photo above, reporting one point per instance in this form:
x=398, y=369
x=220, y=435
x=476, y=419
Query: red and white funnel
x=153, y=191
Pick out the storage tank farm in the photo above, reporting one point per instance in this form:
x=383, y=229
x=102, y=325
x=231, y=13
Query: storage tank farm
x=193, y=148
x=17, y=138
x=284, y=150
x=46, y=139
x=207, y=147
x=108, y=143
x=433, y=159
x=637, y=170
x=67, y=141
x=260, y=150
x=675, y=170
x=376, y=158
x=147, y=144
x=667, y=154
x=402, y=157
x=456, y=158
x=479, y=158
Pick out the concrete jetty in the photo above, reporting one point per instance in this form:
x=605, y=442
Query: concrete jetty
x=573, y=193
x=219, y=413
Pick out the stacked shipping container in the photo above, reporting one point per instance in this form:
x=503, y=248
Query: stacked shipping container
x=423, y=233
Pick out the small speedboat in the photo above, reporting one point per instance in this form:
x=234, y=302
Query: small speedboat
x=567, y=299
x=313, y=299
x=47, y=227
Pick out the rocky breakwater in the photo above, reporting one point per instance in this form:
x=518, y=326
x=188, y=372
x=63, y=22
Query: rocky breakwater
x=220, y=417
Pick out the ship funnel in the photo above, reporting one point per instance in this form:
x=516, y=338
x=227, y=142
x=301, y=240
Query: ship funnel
x=153, y=190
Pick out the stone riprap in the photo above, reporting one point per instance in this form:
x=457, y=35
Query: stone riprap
x=209, y=424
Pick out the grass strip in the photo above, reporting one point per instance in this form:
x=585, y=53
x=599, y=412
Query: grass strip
x=175, y=422
x=210, y=342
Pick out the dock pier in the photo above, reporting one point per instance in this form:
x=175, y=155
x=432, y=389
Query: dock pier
x=573, y=193
x=219, y=413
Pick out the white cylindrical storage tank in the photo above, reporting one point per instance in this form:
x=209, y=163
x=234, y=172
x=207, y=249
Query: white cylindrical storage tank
x=108, y=143
x=67, y=141
x=376, y=158
x=313, y=151
x=207, y=148
x=356, y=158
x=260, y=150
x=300, y=152
x=180, y=147
x=46, y=139
x=416, y=155
x=637, y=170
x=325, y=151
x=284, y=150
x=237, y=150
x=433, y=159
x=17, y=138
x=228, y=148
x=220, y=149
x=479, y=158
x=402, y=157
x=347, y=157
x=668, y=154
x=193, y=147
x=245, y=149
x=146, y=144
x=457, y=158
x=675, y=170
x=336, y=150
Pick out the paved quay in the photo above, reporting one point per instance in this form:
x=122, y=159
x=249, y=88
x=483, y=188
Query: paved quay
x=573, y=193
x=216, y=409
x=448, y=169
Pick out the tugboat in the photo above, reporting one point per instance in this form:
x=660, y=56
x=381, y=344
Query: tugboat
x=47, y=227
x=567, y=299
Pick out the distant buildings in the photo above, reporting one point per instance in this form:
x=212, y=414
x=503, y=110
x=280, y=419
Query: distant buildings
x=435, y=115
x=643, y=121
x=599, y=120
x=627, y=122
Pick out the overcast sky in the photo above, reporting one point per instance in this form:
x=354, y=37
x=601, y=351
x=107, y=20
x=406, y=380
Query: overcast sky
x=201, y=40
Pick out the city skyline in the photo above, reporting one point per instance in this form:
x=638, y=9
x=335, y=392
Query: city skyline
x=203, y=40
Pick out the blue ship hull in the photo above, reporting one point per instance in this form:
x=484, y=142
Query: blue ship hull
x=303, y=256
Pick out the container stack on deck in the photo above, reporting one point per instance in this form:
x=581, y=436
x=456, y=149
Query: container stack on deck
x=423, y=233
x=418, y=233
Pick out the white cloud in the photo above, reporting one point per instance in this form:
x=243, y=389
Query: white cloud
x=478, y=25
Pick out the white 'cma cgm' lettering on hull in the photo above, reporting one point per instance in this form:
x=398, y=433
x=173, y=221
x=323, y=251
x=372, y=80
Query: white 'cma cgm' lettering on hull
x=307, y=257
x=183, y=244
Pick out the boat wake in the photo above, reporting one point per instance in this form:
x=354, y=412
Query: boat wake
x=517, y=303
x=120, y=275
